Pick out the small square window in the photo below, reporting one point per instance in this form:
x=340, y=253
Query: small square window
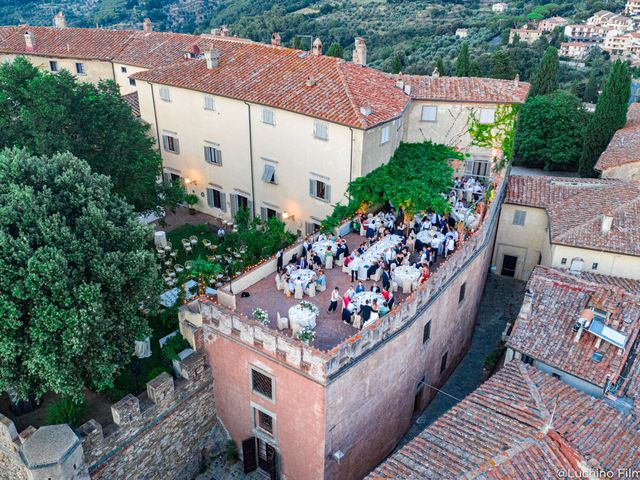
x=519, y=217
x=261, y=384
x=268, y=116
x=212, y=155
x=264, y=422
x=443, y=362
x=487, y=115
x=80, y=68
x=384, y=134
x=563, y=261
x=463, y=289
x=53, y=66
x=320, y=190
x=426, y=332
x=429, y=113
x=132, y=82
x=170, y=144
x=594, y=266
x=269, y=173
x=123, y=69
x=165, y=94
x=320, y=130
x=209, y=102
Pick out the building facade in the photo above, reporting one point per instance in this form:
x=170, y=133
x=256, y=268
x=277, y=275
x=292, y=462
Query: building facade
x=565, y=223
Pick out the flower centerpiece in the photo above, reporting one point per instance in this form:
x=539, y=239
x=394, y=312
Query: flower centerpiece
x=309, y=306
x=261, y=316
x=307, y=335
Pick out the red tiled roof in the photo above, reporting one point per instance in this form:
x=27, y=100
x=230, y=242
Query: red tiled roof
x=466, y=89
x=81, y=43
x=277, y=77
x=521, y=423
x=624, y=147
x=132, y=100
x=544, y=329
x=576, y=206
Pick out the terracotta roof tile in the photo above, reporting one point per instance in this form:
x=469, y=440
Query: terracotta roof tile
x=466, y=89
x=624, y=147
x=521, y=423
x=576, y=206
x=132, y=101
x=544, y=329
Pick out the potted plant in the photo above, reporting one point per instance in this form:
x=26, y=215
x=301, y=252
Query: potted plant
x=191, y=200
x=261, y=316
x=307, y=335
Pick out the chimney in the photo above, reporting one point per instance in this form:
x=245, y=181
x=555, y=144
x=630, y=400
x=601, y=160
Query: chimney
x=607, y=222
x=516, y=81
x=29, y=40
x=316, y=48
x=59, y=21
x=435, y=73
x=224, y=31
x=276, y=40
x=311, y=81
x=400, y=81
x=147, y=25
x=360, y=52
x=583, y=322
x=213, y=58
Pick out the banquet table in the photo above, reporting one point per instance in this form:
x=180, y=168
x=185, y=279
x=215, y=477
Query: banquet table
x=469, y=217
x=300, y=317
x=321, y=247
x=303, y=276
x=359, y=299
x=406, y=275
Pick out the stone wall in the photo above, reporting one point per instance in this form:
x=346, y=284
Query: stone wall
x=169, y=431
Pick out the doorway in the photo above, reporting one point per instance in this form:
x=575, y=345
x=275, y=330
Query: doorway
x=509, y=263
x=257, y=453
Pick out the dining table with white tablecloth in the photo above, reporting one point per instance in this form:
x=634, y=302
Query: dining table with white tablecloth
x=374, y=253
x=323, y=246
x=405, y=275
x=467, y=215
x=301, y=316
x=304, y=276
x=430, y=237
x=361, y=298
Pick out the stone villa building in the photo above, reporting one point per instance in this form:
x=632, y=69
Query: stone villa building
x=621, y=159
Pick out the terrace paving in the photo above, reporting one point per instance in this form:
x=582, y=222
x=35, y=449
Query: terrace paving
x=330, y=329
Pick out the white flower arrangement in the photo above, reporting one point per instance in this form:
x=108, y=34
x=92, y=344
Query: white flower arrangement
x=307, y=334
x=260, y=315
x=309, y=306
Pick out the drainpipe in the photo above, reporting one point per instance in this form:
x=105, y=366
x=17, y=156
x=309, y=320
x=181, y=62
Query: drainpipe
x=253, y=193
x=351, y=157
x=155, y=116
x=113, y=71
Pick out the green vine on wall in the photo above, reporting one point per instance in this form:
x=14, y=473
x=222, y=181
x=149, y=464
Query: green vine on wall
x=499, y=134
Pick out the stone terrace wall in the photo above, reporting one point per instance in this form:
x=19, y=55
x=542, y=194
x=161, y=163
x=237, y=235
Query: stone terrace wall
x=11, y=466
x=165, y=433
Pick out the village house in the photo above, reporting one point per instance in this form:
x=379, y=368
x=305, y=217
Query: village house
x=590, y=33
x=576, y=50
x=462, y=32
x=244, y=141
x=604, y=18
x=550, y=24
x=632, y=8
x=525, y=34
x=500, y=7
x=582, y=328
x=626, y=45
x=566, y=223
x=521, y=423
x=621, y=159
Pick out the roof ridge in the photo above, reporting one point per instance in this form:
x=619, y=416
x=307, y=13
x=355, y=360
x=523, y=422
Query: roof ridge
x=347, y=89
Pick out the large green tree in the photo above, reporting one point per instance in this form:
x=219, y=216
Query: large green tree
x=501, y=66
x=463, y=61
x=610, y=115
x=74, y=272
x=49, y=113
x=545, y=80
x=335, y=50
x=550, y=131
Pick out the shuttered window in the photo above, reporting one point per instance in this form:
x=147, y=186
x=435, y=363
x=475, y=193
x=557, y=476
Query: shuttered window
x=208, y=102
x=269, y=173
x=320, y=190
x=216, y=199
x=165, y=94
x=487, y=115
x=384, y=134
x=170, y=144
x=268, y=116
x=519, y=217
x=212, y=155
x=320, y=130
x=429, y=113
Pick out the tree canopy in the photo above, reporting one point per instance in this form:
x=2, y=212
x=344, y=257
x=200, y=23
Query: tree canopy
x=335, y=50
x=75, y=271
x=545, y=80
x=550, y=131
x=413, y=179
x=610, y=115
x=501, y=66
x=463, y=61
x=49, y=113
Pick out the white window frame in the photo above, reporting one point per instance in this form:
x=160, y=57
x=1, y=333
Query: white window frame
x=268, y=116
x=213, y=154
x=320, y=130
x=132, y=82
x=433, y=113
x=487, y=116
x=385, y=134
x=53, y=66
x=165, y=94
x=269, y=173
x=313, y=190
x=80, y=70
x=209, y=102
x=170, y=143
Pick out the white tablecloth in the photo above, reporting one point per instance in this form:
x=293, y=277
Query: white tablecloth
x=360, y=298
x=303, y=275
x=321, y=247
x=300, y=317
x=460, y=215
x=406, y=273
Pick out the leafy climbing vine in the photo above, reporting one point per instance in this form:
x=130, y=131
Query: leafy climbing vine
x=499, y=134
